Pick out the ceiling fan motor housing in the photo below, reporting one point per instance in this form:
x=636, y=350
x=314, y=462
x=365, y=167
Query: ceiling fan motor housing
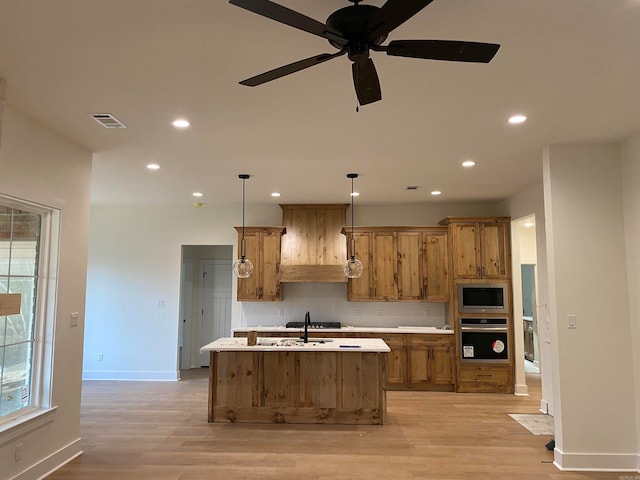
x=352, y=22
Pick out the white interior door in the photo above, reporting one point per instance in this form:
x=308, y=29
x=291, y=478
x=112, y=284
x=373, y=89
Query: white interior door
x=215, y=321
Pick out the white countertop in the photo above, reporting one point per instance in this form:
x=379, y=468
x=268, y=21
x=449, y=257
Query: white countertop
x=381, y=330
x=274, y=344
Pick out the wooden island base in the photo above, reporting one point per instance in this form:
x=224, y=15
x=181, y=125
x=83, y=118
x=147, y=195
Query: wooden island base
x=297, y=387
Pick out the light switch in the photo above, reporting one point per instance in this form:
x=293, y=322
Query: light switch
x=571, y=320
x=73, y=319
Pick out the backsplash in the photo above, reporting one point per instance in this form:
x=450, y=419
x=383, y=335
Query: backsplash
x=327, y=302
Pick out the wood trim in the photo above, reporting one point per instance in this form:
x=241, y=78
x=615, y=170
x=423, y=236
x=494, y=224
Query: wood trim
x=10, y=303
x=314, y=206
x=364, y=229
x=312, y=273
x=450, y=220
x=280, y=229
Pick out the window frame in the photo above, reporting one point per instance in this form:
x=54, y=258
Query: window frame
x=40, y=388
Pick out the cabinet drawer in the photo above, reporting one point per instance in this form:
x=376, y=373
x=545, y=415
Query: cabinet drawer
x=484, y=374
x=393, y=341
x=430, y=340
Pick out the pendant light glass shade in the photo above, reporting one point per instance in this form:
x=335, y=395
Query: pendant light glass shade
x=353, y=267
x=243, y=267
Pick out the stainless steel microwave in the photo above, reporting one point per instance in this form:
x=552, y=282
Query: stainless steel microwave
x=483, y=298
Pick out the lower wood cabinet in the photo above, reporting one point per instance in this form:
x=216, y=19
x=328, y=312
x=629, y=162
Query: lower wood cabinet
x=430, y=360
x=396, y=360
x=475, y=378
x=416, y=361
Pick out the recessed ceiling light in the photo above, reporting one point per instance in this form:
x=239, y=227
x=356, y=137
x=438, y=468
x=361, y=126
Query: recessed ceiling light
x=153, y=166
x=275, y=194
x=435, y=193
x=181, y=123
x=468, y=163
x=517, y=119
x=197, y=194
x=355, y=194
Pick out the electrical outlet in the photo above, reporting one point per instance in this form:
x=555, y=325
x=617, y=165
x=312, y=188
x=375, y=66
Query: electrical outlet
x=100, y=357
x=73, y=319
x=18, y=453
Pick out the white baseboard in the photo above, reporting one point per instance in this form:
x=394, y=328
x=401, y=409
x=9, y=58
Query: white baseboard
x=544, y=406
x=522, y=390
x=132, y=376
x=597, y=462
x=50, y=464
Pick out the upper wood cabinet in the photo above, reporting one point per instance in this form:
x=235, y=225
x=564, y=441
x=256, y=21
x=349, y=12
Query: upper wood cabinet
x=480, y=247
x=401, y=264
x=263, y=249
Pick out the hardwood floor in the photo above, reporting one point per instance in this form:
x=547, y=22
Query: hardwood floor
x=159, y=430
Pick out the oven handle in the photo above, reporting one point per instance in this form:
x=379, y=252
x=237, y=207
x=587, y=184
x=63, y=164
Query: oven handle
x=483, y=329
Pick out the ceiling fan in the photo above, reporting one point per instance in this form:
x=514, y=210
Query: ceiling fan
x=357, y=29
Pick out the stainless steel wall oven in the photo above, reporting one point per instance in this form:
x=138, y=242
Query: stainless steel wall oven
x=484, y=340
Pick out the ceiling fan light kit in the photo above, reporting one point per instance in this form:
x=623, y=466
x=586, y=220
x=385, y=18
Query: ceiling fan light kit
x=355, y=31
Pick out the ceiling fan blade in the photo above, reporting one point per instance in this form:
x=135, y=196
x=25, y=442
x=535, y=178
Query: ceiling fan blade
x=290, y=17
x=393, y=14
x=365, y=80
x=450, y=50
x=289, y=69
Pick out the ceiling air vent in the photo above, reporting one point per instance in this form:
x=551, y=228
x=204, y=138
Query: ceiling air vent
x=412, y=187
x=107, y=120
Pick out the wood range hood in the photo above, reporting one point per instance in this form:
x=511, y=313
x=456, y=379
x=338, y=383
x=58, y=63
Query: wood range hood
x=313, y=249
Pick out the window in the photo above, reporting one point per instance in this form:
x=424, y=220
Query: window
x=24, y=232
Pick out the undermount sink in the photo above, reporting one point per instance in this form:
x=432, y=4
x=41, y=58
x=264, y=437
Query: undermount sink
x=296, y=342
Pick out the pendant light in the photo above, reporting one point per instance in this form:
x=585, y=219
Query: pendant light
x=353, y=267
x=242, y=267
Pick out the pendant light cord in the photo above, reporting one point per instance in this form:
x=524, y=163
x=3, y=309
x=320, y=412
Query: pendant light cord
x=353, y=239
x=243, y=246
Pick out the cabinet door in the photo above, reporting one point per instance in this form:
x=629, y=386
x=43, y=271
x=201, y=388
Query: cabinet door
x=269, y=266
x=466, y=250
x=494, y=242
x=385, y=286
x=248, y=288
x=361, y=288
x=419, y=364
x=410, y=285
x=396, y=360
x=436, y=267
x=442, y=362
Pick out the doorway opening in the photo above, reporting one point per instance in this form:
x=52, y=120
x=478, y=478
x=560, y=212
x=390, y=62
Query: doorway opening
x=525, y=281
x=205, y=300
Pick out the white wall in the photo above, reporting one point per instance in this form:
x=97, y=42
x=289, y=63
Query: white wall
x=631, y=198
x=135, y=260
x=41, y=167
x=594, y=384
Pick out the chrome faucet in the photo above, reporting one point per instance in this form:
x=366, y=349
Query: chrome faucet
x=307, y=324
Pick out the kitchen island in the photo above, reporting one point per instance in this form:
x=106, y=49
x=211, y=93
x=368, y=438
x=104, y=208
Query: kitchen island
x=283, y=380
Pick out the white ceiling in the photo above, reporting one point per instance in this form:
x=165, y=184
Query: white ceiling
x=572, y=66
